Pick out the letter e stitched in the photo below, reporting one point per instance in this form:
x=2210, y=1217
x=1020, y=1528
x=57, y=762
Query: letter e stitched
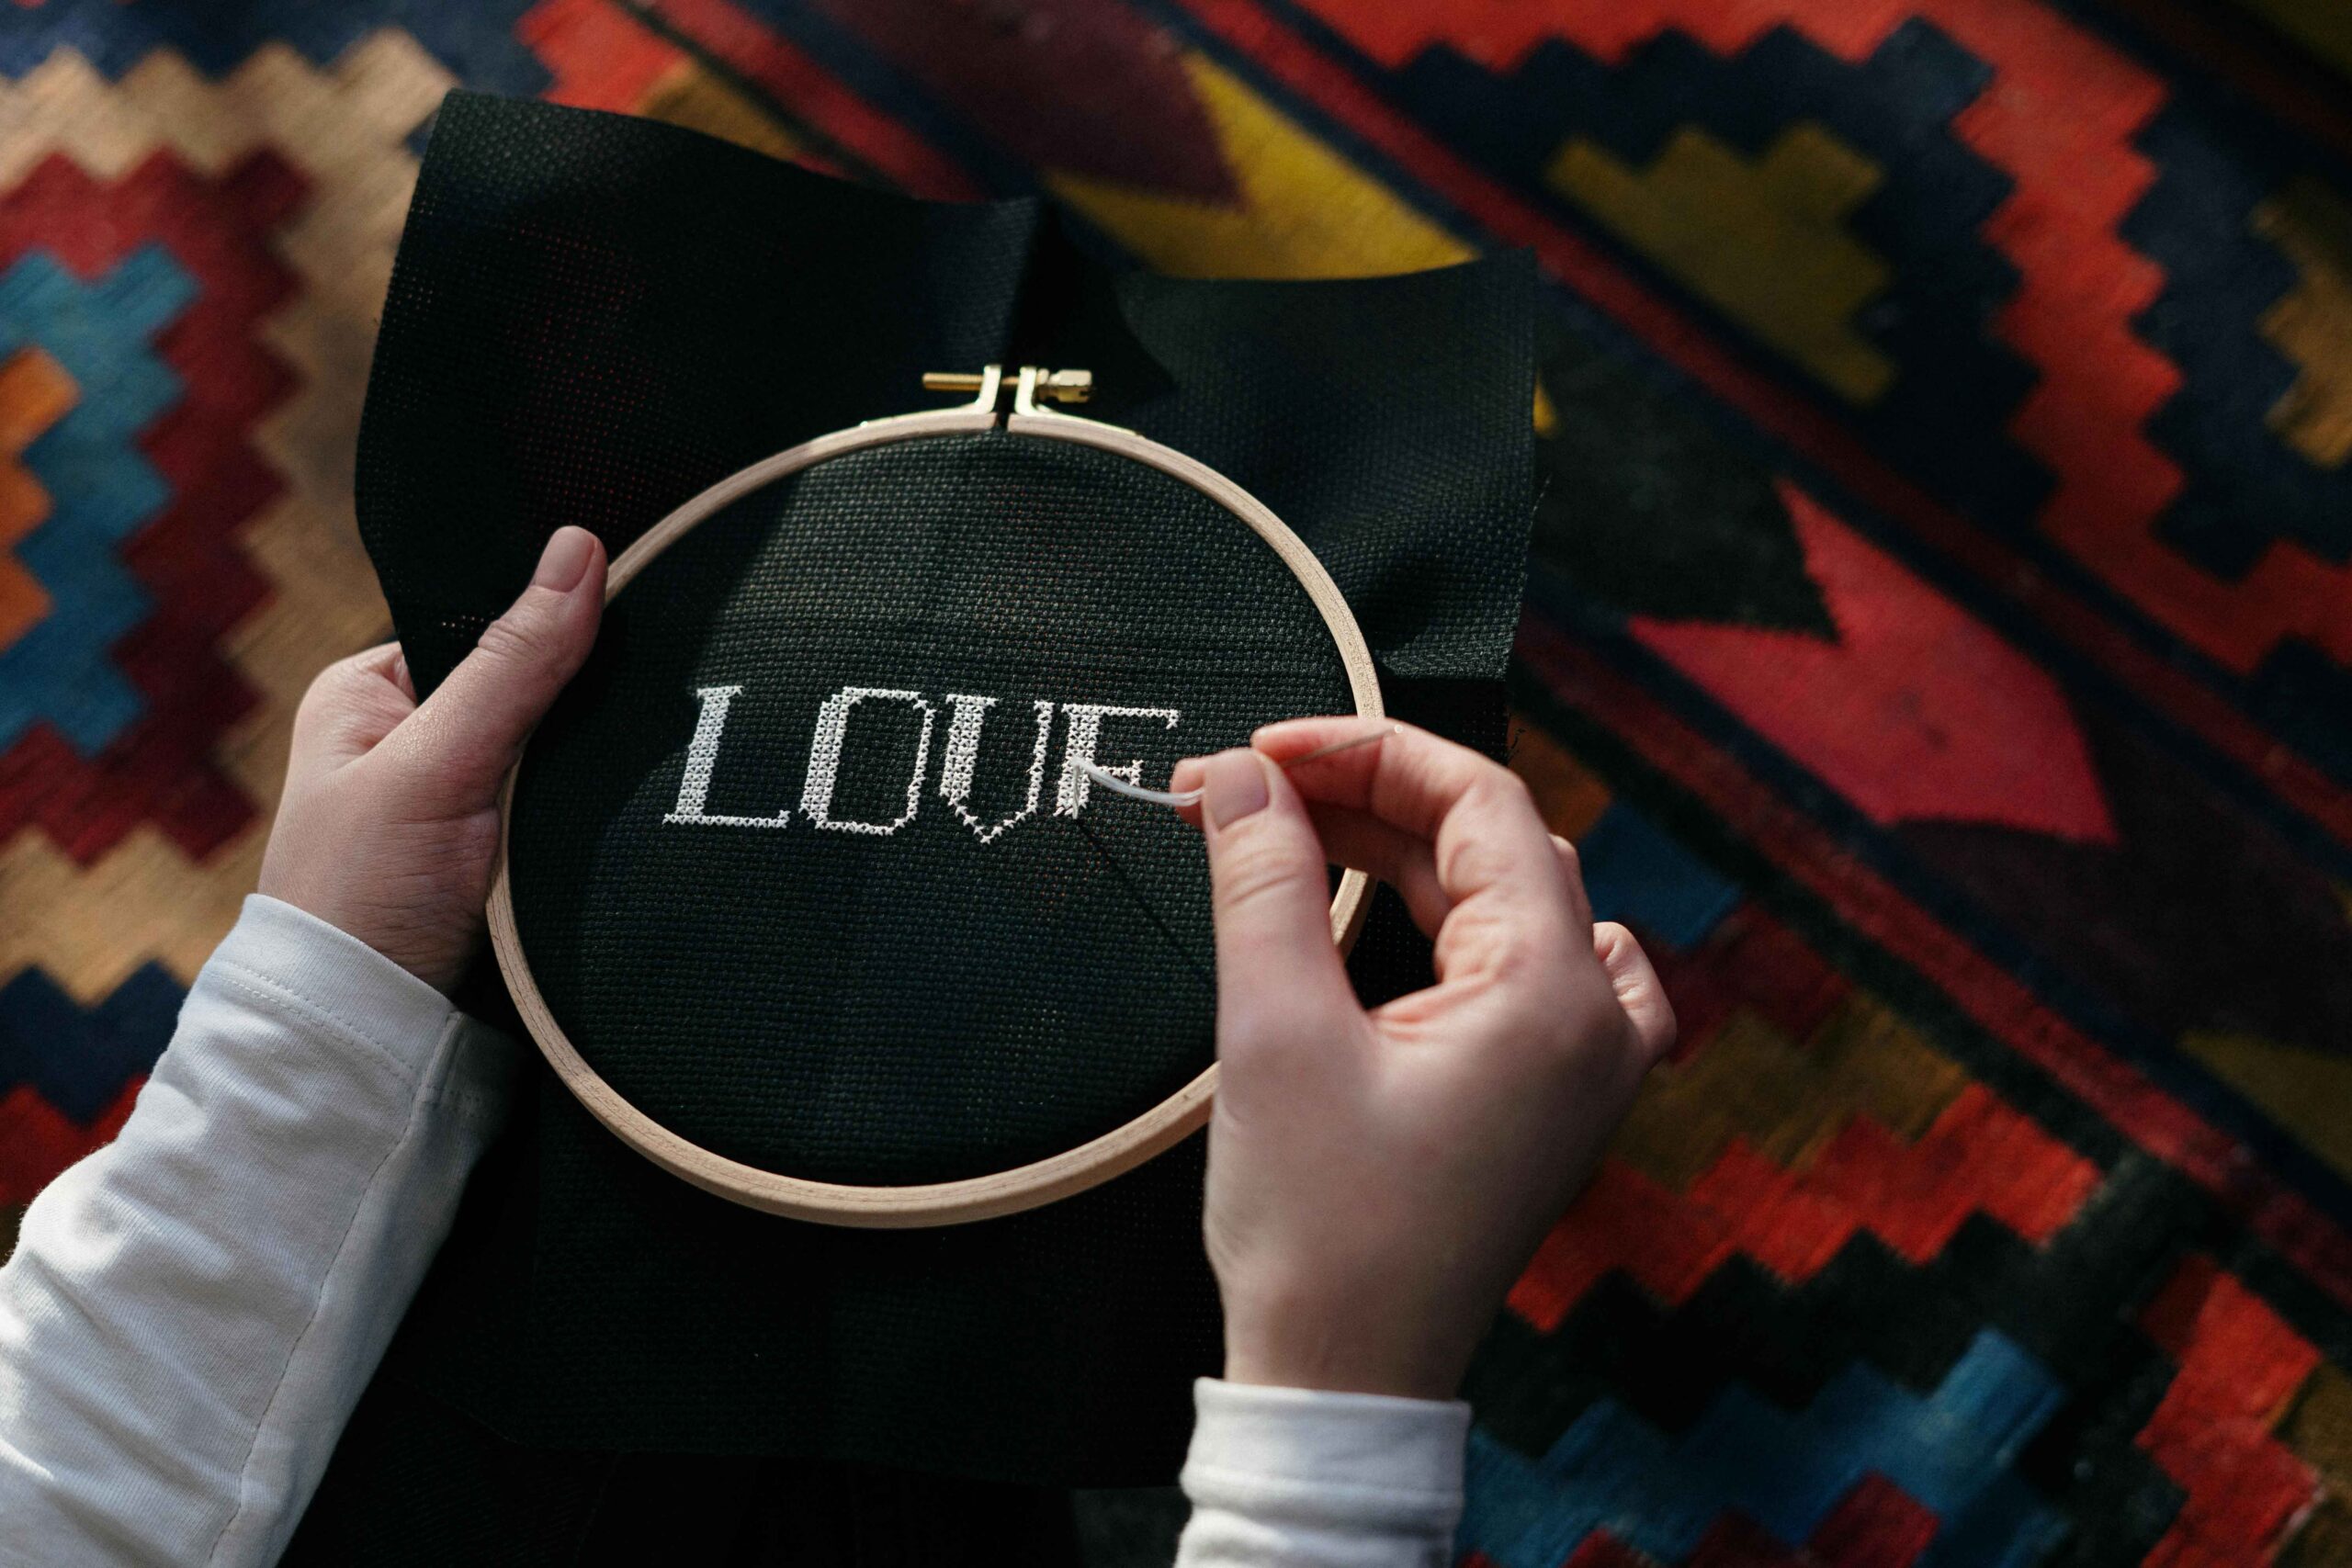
x=1085, y=722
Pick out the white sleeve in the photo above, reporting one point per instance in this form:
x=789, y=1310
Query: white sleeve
x=192, y=1310
x=1312, y=1480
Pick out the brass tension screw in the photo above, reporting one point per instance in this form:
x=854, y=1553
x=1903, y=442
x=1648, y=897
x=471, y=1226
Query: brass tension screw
x=1054, y=386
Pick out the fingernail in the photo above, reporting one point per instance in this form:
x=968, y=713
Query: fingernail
x=565, y=561
x=1235, y=786
x=1186, y=774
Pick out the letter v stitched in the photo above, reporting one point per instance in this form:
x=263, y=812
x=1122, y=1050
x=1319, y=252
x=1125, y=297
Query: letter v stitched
x=963, y=754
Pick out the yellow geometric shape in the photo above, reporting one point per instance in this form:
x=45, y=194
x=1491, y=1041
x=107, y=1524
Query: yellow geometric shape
x=2318, y=1427
x=1303, y=211
x=693, y=97
x=1752, y=1081
x=2311, y=322
x=34, y=393
x=88, y=927
x=2323, y=27
x=1765, y=242
x=2304, y=1092
x=2322, y=1538
x=1570, y=795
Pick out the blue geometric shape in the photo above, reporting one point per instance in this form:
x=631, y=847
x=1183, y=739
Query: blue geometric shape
x=78, y=1060
x=476, y=41
x=1635, y=873
x=1951, y=1451
x=101, y=489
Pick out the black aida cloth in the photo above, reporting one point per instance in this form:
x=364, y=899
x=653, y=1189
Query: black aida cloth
x=899, y=936
x=591, y=320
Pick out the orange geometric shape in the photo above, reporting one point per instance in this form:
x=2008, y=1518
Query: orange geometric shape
x=34, y=393
x=1570, y=795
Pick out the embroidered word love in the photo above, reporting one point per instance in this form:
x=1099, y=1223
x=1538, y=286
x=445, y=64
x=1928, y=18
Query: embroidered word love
x=1082, y=732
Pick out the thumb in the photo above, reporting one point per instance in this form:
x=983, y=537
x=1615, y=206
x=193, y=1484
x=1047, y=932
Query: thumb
x=1271, y=898
x=468, y=733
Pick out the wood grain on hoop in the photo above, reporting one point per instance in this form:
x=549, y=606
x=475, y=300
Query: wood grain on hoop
x=1005, y=1191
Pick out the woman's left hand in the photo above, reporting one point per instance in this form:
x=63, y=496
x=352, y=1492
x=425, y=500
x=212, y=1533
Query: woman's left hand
x=388, y=827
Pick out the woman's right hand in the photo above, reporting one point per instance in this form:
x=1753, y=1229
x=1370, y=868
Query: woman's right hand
x=1376, y=1181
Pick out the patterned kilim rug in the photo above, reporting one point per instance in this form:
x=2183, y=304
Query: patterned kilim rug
x=1938, y=643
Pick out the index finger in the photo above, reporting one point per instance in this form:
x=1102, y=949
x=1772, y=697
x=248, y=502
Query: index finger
x=1484, y=833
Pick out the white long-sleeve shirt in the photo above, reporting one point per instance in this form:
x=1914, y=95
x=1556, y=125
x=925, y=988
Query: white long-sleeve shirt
x=192, y=1312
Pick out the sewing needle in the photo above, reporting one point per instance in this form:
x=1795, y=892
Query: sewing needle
x=1181, y=797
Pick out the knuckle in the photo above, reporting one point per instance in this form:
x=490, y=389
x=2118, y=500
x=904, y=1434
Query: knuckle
x=521, y=636
x=1501, y=790
x=327, y=689
x=1252, y=868
x=1471, y=859
x=1519, y=965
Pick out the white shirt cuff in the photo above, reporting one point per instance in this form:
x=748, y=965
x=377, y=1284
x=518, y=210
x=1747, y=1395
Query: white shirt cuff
x=1359, y=1464
x=341, y=980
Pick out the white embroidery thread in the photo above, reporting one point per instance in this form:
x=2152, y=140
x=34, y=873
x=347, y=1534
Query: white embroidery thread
x=702, y=759
x=825, y=758
x=1084, y=732
x=964, y=755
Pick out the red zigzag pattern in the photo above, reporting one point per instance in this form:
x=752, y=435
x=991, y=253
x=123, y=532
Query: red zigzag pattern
x=160, y=770
x=1979, y=1156
x=2239, y=1364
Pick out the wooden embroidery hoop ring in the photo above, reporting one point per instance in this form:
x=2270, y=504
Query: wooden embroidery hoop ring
x=1040, y=1182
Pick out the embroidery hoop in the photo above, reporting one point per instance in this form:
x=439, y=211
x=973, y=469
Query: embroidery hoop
x=1039, y=1181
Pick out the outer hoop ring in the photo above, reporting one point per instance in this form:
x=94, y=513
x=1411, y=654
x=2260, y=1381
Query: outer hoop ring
x=1000, y=1192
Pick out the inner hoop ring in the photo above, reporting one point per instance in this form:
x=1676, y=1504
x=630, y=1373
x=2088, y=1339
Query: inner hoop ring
x=1025, y=1186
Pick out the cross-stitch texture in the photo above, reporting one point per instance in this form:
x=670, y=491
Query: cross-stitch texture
x=1938, y=643
x=953, y=1008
